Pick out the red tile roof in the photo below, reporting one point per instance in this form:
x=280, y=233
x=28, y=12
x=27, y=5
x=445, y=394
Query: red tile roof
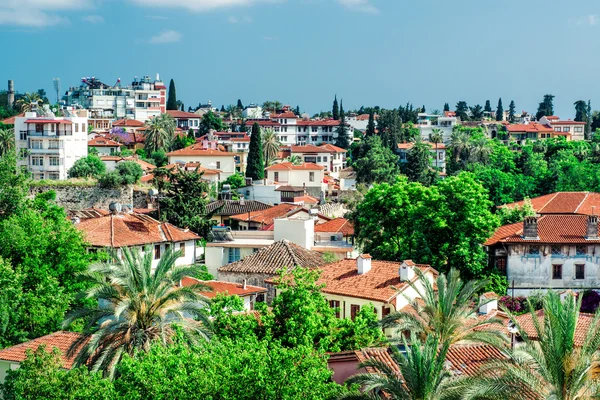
x=532, y=127
x=128, y=122
x=526, y=324
x=228, y=288
x=198, y=150
x=61, y=340
x=306, y=200
x=288, y=166
x=569, y=122
x=552, y=228
x=11, y=120
x=467, y=359
x=333, y=149
x=336, y=225
x=408, y=146
x=382, y=283
x=100, y=141
x=131, y=230
x=564, y=203
x=266, y=216
x=188, y=166
x=287, y=114
x=309, y=148
x=182, y=114
x=323, y=122
x=380, y=354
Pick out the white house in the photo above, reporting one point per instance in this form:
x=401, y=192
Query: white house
x=252, y=111
x=330, y=157
x=185, y=120
x=428, y=122
x=208, y=158
x=568, y=127
x=347, y=179
x=51, y=145
x=307, y=174
x=104, y=146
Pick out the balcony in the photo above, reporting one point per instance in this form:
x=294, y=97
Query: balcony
x=49, y=133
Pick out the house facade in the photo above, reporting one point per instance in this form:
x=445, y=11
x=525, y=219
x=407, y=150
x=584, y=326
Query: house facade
x=428, y=122
x=209, y=158
x=250, y=295
x=438, y=154
x=575, y=129
x=104, y=146
x=185, y=120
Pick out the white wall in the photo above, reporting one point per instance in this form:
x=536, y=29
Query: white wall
x=264, y=193
x=226, y=163
x=298, y=231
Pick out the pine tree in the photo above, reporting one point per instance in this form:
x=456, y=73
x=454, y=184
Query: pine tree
x=588, y=121
x=342, y=130
x=297, y=111
x=461, y=110
x=546, y=107
x=222, y=108
x=172, y=99
x=487, y=107
x=182, y=107
x=243, y=127
x=446, y=107
x=423, y=109
x=371, y=125
x=511, y=112
x=499, y=111
x=240, y=106
x=335, y=112
x=255, y=164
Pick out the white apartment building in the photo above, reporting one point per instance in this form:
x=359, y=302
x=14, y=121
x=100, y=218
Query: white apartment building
x=428, y=122
x=328, y=156
x=50, y=145
x=252, y=111
x=141, y=100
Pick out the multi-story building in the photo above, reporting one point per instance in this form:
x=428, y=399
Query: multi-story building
x=572, y=129
x=252, y=111
x=141, y=100
x=438, y=154
x=50, y=145
x=533, y=131
x=328, y=156
x=428, y=122
x=207, y=157
x=185, y=120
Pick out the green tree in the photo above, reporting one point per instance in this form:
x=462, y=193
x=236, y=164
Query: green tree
x=270, y=145
x=476, y=112
x=160, y=133
x=209, y=122
x=236, y=181
x=7, y=141
x=436, y=137
x=342, y=139
x=90, y=166
x=130, y=172
x=13, y=184
x=418, y=164
x=159, y=158
x=294, y=159
x=255, y=167
x=335, y=110
x=29, y=102
x=239, y=105
x=446, y=107
x=461, y=110
x=363, y=331
x=499, y=111
x=511, y=112
x=510, y=215
x=375, y=162
x=140, y=305
x=391, y=130
x=546, y=107
x=371, y=125
x=172, y=96
x=487, y=107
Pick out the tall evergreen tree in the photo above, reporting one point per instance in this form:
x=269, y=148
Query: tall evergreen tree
x=371, y=125
x=487, y=107
x=335, y=111
x=476, y=112
x=446, y=107
x=511, y=112
x=588, y=122
x=297, y=111
x=240, y=106
x=580, y=110
x=222, y=108
x=182, y=106
x=423, y=108
x=418, y=164
x=172, y=99
x=546, y=107
x=243, y=127
x=499, y=111
x=461, y=110
x=342, y=130
x=255, y=165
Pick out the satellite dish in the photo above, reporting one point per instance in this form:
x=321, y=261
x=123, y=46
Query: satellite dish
x=115, y=207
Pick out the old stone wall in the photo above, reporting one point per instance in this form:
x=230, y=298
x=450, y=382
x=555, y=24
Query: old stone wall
x=81, y=197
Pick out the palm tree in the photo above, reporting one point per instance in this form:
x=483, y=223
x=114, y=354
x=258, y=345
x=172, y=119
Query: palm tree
x=160, y=133
x=436, y=137
x=582, y=150
x=137, y=305
x=447, y=312
x=459, y=144
x=421, y=374
x=29, y=102
x=294, y=159
x=553, y=366
x=270, y=145
x=7, y=140
x=480, y=150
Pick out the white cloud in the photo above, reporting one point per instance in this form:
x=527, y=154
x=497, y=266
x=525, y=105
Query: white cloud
x=200, y=5
x=168, y=36
x=38, y=13
x=359, y=5
x=93, y=19
x=590, y=20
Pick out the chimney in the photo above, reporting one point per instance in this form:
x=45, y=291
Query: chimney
x=363, y=264
x=592, y=227
x=488, y=302
x=11, y=93
x=406, y=271
x=530, y=228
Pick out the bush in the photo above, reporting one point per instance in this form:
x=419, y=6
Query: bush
x=110, y=180
x=141, y=153
x=89, y=166
x=496, y=283
x=590, y=301
x=516, y=305
x=130, y=172
x=160, y=158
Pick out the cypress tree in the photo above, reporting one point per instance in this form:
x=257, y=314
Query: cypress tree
x=172, y=98
x=342, y=130
x=297, y=111
x=588, y=121
x=240, y=106
x=371, y=125
x=222, y=108
x=499, y=111
x=488, y=106
x=446, y=107
x=423, y=109
x=182, y=107
x=243, y=127
x=255, y=164
x=511, y=112
x=335, y=112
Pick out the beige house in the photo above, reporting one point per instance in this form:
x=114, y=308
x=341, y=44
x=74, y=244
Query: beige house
x=209, y=158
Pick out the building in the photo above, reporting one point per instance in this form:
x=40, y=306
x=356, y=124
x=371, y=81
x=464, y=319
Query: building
x=51, y=144
x=336, y=237
x=532, y=131
x=307, y=174
x=103, y=230
x=347, y=179
x=104, y=146
x=210, y=175
x=428, y=122
x=252, y=111
x=330, y=157
x=208, y=158
x=582, y=203
x=222, y=210
x=360, y=121
x=573, y=128
x=141, y=100
x=250, y=295
x=185, y=120
x=262, y=217
x=438, y=154
x=267, y=262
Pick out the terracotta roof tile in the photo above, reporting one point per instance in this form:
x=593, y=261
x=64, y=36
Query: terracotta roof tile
x=61, y=340
x=267, y=215
x=288, y=166
x=531, y=127
x=219, y=287
x=468, y=358
x=128, y=122
x=525, y=321
x=198, y=150
x=234, y=207
x=333, y=149
x=336, y=225
x=280, y=255
x=99, y=141
x=309, y=148
x=182, y=114
x=564, y=203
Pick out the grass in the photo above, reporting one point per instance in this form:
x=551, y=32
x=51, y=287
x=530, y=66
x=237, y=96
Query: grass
x=76, y=182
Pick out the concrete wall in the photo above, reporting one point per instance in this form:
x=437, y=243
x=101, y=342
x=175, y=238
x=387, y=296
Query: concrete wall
x=81, y=197
x=6, y=366
x=298, y=231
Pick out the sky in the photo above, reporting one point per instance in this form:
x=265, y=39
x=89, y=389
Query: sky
x=303, y=52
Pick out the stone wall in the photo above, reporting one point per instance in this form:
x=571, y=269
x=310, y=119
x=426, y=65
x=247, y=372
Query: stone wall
x=80, y=197
x=140, y=198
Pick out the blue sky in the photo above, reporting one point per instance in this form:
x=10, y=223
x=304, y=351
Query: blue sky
x=302, y=52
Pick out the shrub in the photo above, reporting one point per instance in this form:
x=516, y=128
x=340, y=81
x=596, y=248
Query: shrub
x=590, y=301
x=130, y=172
x=110, y=180
x=86, y=167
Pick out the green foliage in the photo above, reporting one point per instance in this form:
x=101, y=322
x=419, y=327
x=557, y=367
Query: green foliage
x=335, y=110
x=496, y=283
x=342, y=139
x=461, y=110
x=41, y=376
x=329, y=257
x=418, y=164
x=371, y=125
x=476, y=112
x=130, y=172
x=141, y=153
x=499, y=111
x=375, y=163
x=487, y=107
x=182, y=142
x=110, y=180
x=364, y=331
x=510, y=215
x=172, y=97
x=160, y=158
x=236, y=181
x=511, y=112
x=228, y=320
x=13, y=184
x=546, y=107
x=210, y=121
x=90, y=166
x=255, y=165
x=160, y=133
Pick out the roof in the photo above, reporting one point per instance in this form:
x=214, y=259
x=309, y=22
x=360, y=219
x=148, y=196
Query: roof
x=288, y=166
x=309, y=148
x=100, y=141
x=347, y=173
x=118, y=230
x=467, y=359
x=128, y=122
x=267, y=215
x=198, y=150
x=382, y=283
x=220, y=287
x=408, y=146
x=48, y=121
x=287, y=114
x=552, y=228
x=531, y=127
x=11, y=120
x=525, y=322
x=568, y=122
x=182, y=114
x=280, y=255
x=333, y=149
x=321, y=122
x=62, y=340
x=564, y=203
x=233, y=207
x=129, y=138
x=381, y=354
x=192, y=166
x=146, y=166
x=336, y=225
x=306, y=200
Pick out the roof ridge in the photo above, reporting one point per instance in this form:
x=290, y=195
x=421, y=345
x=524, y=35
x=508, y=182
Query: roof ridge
x=582, y=201
x=112, y=230
x=291, y=251
x=548, y=202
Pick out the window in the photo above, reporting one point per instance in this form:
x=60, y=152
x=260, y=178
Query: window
x=319, y=159
x=22, y=135
x=566, y=129
x=54, y=161
x=440, y=155
x=333, y=238
x=501, y=265
x=556, y=271
x=314, y=129
x=403, y=155
x=53, y=144
x=218, y=164
x=276, y=178
x=283, y=139
x=37, y=161
x=314, y=138
x=234, y=254
x=335, y=304
x=284, y=129
x=556, y=250
x=580, y=250
x=579, y=271
x=311, y=176
x=182, y=249
x=157, y=251
x=39, y=128
x=36, y=144
x=385, y=311
x=534, y=250
x=578, y=129
x=52, y=127
x=557, y=128
x=354, y=309
x=76, y=127
x=324, y=158
x=53, y=176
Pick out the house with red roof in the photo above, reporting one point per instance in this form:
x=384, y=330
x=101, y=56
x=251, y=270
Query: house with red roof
x=248, y=293
x=573, y=130
x=104, y=146
x=210, y=158
x=185, y=120
x=330, y=157
x=287, y=173
x=438, y=154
